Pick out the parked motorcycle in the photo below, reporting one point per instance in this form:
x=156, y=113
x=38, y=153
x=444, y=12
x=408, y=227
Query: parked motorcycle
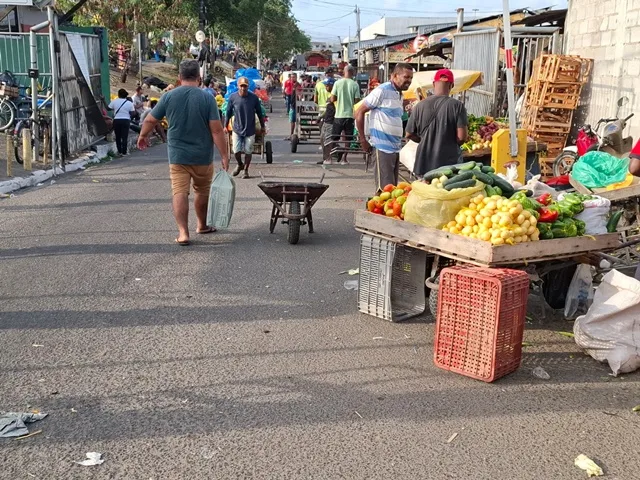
x=611, y=141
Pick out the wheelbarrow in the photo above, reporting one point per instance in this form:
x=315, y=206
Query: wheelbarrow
x=292, y=203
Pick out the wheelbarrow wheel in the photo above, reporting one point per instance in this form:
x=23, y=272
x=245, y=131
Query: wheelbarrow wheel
x=433, y=300
x=294, y=225
x=268, y=152
x=294, y=143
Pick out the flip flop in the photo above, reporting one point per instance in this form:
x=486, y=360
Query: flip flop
x=183, y=243
x=207, y=230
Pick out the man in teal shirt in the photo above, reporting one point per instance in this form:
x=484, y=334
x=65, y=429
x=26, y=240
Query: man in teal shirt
x=346, y=93
x=194, y=127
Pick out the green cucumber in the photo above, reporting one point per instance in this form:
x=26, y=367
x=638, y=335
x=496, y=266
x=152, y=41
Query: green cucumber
x=487, y=169
x=466, y=166
x=437, y=173
x=483, y=177
x=498, y=190
x=459, y=178
x=461, y=184
x=507, y=189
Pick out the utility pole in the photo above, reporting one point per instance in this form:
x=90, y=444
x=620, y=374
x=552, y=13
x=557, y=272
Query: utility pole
x=357, y=12
x=258, y=62
x=202, y=16
x=508, y=56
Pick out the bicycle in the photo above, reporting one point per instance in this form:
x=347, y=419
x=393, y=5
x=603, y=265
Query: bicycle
x=20, y=118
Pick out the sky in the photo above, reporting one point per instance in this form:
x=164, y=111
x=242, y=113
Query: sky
x=326, y=20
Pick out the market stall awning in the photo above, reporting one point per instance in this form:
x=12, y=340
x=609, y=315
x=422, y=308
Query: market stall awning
x=464, y=80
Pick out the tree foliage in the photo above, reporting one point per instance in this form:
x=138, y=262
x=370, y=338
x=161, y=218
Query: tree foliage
x=235, y=20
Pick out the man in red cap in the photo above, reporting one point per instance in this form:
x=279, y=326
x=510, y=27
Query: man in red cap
x=439, y=124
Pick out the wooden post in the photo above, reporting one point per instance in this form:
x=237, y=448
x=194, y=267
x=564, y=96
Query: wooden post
x=46, y=141
x=9, y=155
x=26, y=149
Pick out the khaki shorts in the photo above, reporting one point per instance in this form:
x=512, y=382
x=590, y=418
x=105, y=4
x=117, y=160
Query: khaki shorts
x=182, y=175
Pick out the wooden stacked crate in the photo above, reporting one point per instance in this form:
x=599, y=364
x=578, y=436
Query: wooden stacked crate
x=553, y=93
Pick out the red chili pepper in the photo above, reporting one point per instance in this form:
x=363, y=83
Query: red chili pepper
x=545, y=199
x=548, y=216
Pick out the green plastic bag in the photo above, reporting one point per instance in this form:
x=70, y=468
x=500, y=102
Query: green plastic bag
x=599, y=169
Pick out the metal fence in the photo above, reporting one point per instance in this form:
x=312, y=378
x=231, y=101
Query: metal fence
x=80, y=84
x=479, y=51
x=15, y=57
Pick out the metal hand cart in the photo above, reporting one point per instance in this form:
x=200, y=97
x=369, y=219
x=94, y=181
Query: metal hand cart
x=292, y=203
x=307, y=130
x=261, y=147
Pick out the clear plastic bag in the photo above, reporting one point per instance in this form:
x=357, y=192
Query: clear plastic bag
x=435, y=207
x=580, y=292
x=221, y=200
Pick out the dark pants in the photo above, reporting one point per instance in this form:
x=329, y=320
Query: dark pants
x=340, y=126
x=387, y=165
x=121, y=130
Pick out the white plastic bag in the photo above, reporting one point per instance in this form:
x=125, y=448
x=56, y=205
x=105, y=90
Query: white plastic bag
x=610, y=331
x=512, y=176
x=579, y=294
x=540, y=188
x=594, y=215
x=222, y=196
x=408, y=155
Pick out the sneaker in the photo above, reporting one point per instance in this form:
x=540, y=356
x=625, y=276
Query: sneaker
x=320, y=162
x=327, y=162
x=245, y=174
x=344, y=162
x=238, y=169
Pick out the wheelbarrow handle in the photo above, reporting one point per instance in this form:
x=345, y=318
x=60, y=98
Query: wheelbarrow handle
x=322, y=177
x=262, y=176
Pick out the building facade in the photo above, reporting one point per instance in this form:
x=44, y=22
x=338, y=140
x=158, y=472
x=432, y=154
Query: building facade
x=608, y=31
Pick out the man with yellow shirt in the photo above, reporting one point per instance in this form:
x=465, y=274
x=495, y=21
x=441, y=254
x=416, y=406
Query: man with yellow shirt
x=322, y=94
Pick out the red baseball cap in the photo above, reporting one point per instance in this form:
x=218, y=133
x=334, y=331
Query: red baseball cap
x=444, y=74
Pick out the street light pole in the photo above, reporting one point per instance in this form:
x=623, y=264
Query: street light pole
x=258, y=62
x=357, y=12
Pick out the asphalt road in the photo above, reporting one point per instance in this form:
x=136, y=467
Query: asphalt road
x=242, y=356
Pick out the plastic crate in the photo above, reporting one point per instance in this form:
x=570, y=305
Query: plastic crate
x=392, y=279
x=481, y=314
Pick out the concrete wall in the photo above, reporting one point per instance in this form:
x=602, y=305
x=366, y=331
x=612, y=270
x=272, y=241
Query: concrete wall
x=608, y=31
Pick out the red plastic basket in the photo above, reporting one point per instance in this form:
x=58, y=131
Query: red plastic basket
x=481, y=314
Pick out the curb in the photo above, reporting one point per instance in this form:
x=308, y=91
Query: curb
x=40, y=176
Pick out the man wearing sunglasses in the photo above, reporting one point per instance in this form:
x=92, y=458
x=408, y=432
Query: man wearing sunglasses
x=243, y=107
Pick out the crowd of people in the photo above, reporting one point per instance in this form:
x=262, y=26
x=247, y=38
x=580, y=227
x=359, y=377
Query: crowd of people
x=438, y=123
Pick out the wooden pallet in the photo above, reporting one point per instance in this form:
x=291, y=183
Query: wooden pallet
x=549, y=95
x=560, y=69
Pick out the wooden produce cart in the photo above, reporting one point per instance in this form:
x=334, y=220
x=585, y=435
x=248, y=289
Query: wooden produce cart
x=443, y=249
x=477, y=252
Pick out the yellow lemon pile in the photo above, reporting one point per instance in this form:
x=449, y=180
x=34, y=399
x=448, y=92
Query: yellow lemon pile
x=495, y=219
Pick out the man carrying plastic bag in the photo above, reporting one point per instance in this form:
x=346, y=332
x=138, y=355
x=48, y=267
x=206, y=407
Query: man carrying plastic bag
x=194, y=126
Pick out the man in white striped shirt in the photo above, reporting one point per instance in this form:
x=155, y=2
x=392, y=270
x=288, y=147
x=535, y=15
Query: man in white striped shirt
x=385, y=124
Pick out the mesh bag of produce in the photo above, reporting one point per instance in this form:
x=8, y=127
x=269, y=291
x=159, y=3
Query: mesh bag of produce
x=434, y=207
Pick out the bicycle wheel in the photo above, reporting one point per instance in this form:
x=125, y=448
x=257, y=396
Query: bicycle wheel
x=7, y=114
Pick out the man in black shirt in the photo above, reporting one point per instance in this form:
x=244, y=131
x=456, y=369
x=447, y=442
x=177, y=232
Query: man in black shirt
x=439, y=124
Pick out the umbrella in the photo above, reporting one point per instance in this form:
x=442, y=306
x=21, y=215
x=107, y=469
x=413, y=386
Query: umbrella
x=464, y=80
